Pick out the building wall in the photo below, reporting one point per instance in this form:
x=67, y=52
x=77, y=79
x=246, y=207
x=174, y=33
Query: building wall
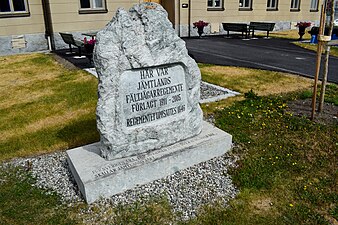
x=65, y=17
x=283, y=17
x=29, y=31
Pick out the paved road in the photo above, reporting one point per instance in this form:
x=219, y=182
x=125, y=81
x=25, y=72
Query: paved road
x=269, y=54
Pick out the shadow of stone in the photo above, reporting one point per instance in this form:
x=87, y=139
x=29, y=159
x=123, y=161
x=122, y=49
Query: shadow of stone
x=79, y=132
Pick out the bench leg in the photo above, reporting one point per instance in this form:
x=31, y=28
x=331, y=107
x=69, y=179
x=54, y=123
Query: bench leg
x=253, y=33
x=70, y=48
x=80, y=51
x=267, y=34
x=228, y=34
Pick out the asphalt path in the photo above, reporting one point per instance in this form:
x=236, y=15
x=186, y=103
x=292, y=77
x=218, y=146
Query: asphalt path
x=268, y=54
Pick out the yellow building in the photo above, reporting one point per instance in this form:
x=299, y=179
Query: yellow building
x=34, y=25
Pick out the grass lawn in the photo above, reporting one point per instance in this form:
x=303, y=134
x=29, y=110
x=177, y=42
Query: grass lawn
x=44, y=107
x=287, y=172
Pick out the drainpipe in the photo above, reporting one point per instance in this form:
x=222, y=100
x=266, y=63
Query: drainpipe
x=189, y=17
x=48, y=24
x=179, y=18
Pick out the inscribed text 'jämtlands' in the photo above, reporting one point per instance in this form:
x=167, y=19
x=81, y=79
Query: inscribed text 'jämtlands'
x=148, y=85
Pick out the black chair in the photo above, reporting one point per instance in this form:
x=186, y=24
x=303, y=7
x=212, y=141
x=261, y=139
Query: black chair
x=69, y=39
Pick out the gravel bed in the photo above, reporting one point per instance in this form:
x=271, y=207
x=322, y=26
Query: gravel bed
x=186, y=190
x=208, y=91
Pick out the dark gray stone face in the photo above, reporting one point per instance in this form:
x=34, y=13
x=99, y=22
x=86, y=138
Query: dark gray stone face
x=148, y=85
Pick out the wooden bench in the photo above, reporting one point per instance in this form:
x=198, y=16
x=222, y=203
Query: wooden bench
x=237, y=27
x=69, y=39
x=261, y=26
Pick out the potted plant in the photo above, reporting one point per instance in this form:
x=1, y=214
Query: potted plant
x=89, y=45
x=301, y=28
x=200, y=27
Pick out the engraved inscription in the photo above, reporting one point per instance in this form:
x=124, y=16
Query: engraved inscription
x=144, y=158
x=152, y=94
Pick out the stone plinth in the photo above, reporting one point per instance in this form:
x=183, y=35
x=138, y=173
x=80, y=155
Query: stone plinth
x=97, y=177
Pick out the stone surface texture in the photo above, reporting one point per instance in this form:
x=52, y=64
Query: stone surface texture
x=142, y=37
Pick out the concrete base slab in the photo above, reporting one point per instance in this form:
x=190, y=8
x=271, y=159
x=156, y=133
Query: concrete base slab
x=97, y=177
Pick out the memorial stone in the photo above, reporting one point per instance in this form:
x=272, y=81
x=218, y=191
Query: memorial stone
x=148, y=116
x=148, y=85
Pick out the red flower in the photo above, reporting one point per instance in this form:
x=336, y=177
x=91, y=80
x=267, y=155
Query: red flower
x=200, y=23
x=303, y=24
x=91, y=41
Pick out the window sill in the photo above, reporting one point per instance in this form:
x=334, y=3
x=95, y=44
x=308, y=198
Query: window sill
x=245, y=9
x=314, y=10
x=215, y=9
x=92, y=11
x=294, y=10
x=271, y=9
x=9, y=15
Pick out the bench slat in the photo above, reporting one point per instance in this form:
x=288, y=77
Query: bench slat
x=264, y=26
x=237, y=27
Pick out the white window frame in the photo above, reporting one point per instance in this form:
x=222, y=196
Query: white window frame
x=93, y=8
x=272, y=5
x=245, y=5
x=295, y=5
x=13, y=13
x=314, y=5
x=213, y=5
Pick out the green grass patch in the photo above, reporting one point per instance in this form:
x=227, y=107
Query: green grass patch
x=243, y=80
x=288, y=161
x=22, y=203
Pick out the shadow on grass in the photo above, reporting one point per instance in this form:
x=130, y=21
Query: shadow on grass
x=79, y=132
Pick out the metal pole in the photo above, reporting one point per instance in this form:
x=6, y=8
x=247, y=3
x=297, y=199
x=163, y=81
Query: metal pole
x=189, y=17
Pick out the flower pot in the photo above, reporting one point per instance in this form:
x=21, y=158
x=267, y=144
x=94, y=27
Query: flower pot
x=89, y=48
x=200, y=31
x=301, y=32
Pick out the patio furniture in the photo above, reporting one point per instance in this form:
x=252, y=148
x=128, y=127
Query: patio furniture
x=237, y=27
x=69, y=39
x=264, y=26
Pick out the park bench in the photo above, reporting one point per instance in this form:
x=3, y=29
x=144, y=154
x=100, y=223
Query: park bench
x=69, y=39
x=264, y=26
x=237, y=27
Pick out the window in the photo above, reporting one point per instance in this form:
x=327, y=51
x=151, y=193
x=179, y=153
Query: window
x=314, y=6
x=295, y=5
x=245, y=4
x=9, y=8
x=215, y=5
x=272, y=5
x=92, y=6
